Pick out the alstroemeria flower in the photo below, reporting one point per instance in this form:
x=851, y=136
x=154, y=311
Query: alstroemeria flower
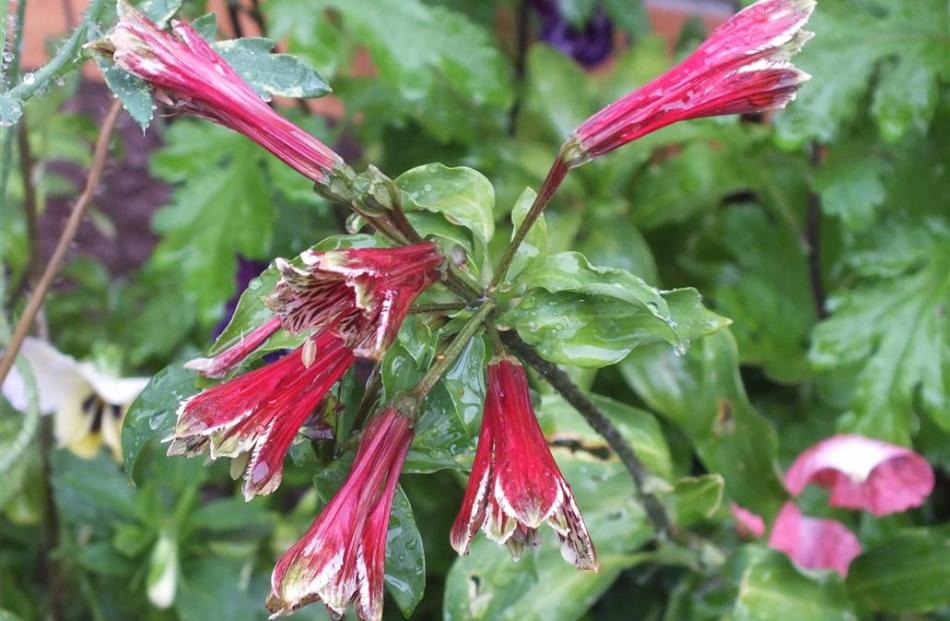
x=259, y=413
x=88, y=404
x=364, y=293
x=515, y=485
x=189, y=75
x=341, y=557
x=814, y=543
x=748, y=525
x=220, y=364
x=742, y=67
x=863, y=473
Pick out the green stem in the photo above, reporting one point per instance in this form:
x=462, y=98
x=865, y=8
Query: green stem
x=60, y=62
x=14, y=68
x=552, y=182
x=450, y=354
x=438, y=308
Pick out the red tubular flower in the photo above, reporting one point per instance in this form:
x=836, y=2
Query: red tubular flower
x=341, y=557
x=260, y=412
x=188, y=74
x=814, y=543
x=742, y=67
x=515, y=484
x=863, y=473
x=364, y=293
x=220, y=365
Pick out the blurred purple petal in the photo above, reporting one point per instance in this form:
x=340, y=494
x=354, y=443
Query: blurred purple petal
x=588, y=46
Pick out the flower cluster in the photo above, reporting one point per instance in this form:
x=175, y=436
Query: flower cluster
x=350, y=303
x=861, y=473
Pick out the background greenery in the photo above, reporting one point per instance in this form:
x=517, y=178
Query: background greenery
x=822, y=233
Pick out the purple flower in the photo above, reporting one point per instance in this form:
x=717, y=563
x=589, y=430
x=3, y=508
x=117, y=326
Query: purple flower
x=588, y=45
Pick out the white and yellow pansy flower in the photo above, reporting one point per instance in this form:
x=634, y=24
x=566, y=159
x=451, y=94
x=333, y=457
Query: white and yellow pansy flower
x=87, y=403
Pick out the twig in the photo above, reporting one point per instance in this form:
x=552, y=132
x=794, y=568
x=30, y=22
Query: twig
x=65, y=239
x=813, y=241
x=235, y=18
x=559, y=380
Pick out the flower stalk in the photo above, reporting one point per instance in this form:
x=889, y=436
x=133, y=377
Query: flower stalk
x=451, y=353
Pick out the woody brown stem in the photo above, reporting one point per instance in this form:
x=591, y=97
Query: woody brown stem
x=65, y=239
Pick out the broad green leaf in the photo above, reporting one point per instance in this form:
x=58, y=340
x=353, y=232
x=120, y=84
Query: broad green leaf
x=771, y=589
x=851, y=40
x=271, y=74
x=160, y=11
x=207, y=26
x=221, y=207
x=213, y=587
x=434, y=64
x=131, y=90
x=696, y=499
x=851, y=183
x=765, y=290
x=90, y=491
x=896, y=329
x=906, y=573
x=587, y=316
x=563, y=425
x=555, y=92
x=703, y=394
x=610, y=240
x=152, y=416
x=463, y=195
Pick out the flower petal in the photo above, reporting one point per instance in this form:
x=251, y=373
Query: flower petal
x=222, y=363
x=748, y=524
x=58, y=379
x=115, y=390
x=863, y=473
x=814, y=543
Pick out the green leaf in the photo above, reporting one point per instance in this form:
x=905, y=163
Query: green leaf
x=131, y=90
x=587, y=316
x=906, y=573
x=703, y=394
x=214, y=587
x=852, y=40
x=463, y=195
x=271, y=74
x=851, y=184
x=434, y=64
x=91, y=491
x=563, y=425
x=535, y=242
x=220, y=208
x=160, y=11
x=405, y=558
x=553, y=91
x=765, y=290
x=207, y=26
x=152, y=416
x=896, y=330
x=696, y=499
x=771, y=588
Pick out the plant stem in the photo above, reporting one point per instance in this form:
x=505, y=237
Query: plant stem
x=552, y=182
x=6, y=149
x=65, y=239
x=438, y=308
x=66, y=55
x=450, y=354
x=813, y=241
x=559, y=380
x=51, y=541
x=29, y=210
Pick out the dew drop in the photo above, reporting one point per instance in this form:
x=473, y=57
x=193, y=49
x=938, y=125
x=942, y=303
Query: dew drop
x=427, y=187
x=29, y=78
x=8, y=57
x=259, y=472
